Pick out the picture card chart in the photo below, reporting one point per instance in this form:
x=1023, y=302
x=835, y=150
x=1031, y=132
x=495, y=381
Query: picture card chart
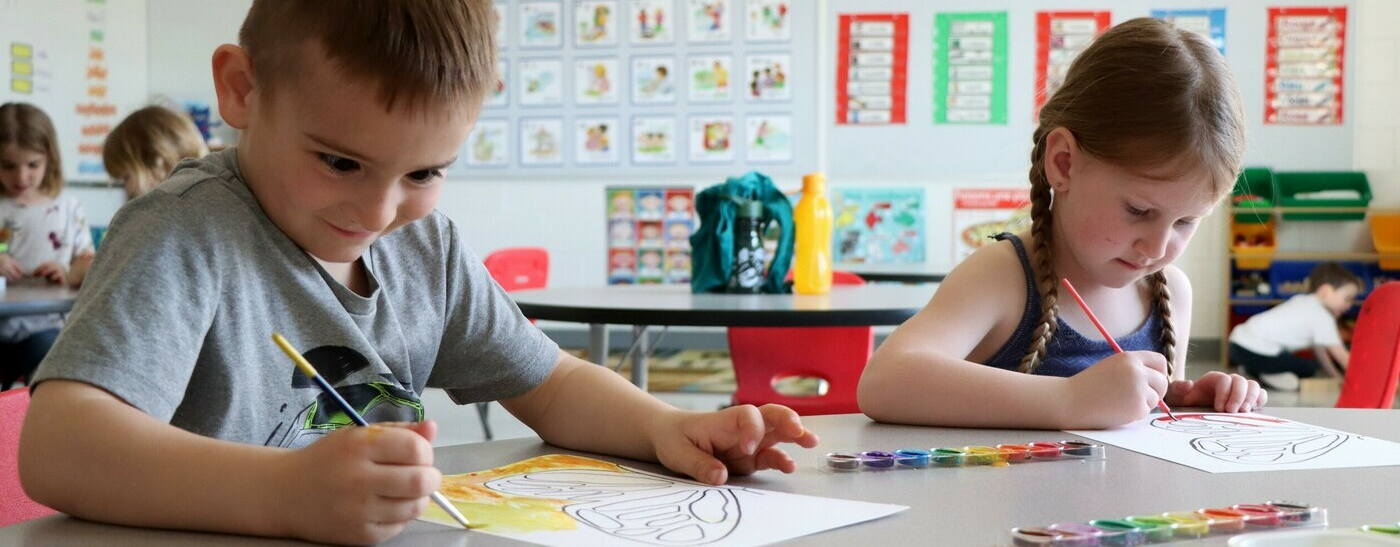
x=1234, y=443
x=1059, y=37
x=878, y=225
x=1303, y=66
x=649, y=234
x=1209, y=23
x=969, y=68
x=618, y=88
x=872, y=58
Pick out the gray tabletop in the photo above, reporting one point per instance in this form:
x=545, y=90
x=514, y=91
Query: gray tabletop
x=33, y=296
x=674, y=305
x=948, y=507
x=914, y=272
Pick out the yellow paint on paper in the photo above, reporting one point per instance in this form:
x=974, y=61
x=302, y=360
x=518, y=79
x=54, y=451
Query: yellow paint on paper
x=500, y=512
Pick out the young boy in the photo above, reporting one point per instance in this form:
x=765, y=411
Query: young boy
x=320, y=225
x=1264, y=344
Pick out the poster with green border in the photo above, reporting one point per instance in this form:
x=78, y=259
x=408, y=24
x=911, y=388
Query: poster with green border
x=969, y=68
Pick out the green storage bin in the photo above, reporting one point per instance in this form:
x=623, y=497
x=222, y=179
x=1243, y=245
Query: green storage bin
x=1253, y=196
x=1290, y=185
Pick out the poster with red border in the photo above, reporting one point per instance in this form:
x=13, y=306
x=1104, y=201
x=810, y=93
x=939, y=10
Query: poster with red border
x=979, y=213
x=1303, y=66
x=872, y=59
x=1059, y=37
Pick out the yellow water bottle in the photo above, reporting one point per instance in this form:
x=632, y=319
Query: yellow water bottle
x=811, y=270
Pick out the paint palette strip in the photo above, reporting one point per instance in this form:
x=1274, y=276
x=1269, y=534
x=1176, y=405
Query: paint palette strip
x=968, y=456
x=1171, y=526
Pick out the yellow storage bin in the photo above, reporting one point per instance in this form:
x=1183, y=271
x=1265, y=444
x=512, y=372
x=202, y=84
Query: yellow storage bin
x=1253, y=245
x=1385, y=233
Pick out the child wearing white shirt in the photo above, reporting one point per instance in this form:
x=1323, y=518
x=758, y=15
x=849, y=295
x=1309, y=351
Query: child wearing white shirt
x=1264, y=344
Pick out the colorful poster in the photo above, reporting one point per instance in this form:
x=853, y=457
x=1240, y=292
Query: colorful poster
x=711, y=139
x=872, y=57
x=709, y=20
x=541, y=141
x=488, y=144
x=540, y=23
x=1234, y=443
x=541, y=82
x=767, y=76
x=1059, y=37
x=653, y=80
x=649, y=234
x=1209, y=23
x=653, y=140
x=768, y=21
x=1303, y=66
x=969, y=68
x=498, y=14
x=595, y=141
x=651, y=22
x=979, y=213
x=594, y=81
x=709, y=78
x=500, y=96
x=877, y=225
x=596, y=22
x=769, y=138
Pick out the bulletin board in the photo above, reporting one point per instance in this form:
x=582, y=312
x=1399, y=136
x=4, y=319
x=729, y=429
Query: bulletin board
x=83, y=62
x=992, y=135
x=646, y=87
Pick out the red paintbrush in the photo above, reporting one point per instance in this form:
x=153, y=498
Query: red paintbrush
x=1160, y=403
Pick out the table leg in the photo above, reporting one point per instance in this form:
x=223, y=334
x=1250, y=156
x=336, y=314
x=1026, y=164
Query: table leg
x=598, y=343
x=639, y=359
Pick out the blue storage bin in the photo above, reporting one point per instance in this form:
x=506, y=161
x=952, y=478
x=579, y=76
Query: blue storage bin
x=1289, y=277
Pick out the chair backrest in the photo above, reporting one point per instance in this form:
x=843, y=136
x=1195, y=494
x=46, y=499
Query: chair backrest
x=519, y=267
x=764, y=355
x=1374, y=366
x=15, y=507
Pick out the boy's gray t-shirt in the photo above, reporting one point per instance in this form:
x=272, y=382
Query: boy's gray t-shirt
x=177, y=315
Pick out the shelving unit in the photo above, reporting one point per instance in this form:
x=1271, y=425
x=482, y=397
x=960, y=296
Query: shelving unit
x=1259, y=218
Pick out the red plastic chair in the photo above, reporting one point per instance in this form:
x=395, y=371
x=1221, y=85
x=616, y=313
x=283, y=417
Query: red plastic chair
x=765, y=355
x=519, y=267
x=515, y=268
x=15, y=507
x=1374, y=367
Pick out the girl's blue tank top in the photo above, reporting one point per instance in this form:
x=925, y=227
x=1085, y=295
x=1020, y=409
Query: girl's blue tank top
x=1068, y=352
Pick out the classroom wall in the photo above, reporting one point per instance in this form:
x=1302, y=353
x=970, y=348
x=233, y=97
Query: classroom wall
x=566, y=215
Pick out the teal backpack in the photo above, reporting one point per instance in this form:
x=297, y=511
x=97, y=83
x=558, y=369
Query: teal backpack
x=712, y=244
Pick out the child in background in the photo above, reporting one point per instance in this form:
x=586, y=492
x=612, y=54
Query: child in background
x=320, y=225
x=1263, y=346
x=44, y=229
x=143, y=149
x=1141, y=142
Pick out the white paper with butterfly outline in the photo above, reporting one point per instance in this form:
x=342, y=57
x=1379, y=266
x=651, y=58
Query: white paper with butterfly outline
x=1232, y=443
x=620, y=508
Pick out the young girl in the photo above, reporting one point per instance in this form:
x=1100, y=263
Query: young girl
x=45, y=231
x=143, y=149
x=1142, y=140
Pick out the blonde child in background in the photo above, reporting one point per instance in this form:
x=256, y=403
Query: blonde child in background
x=143, y=149
x=320, y=225
x=43, y=230
x=1140, y=143
x=1263, y=345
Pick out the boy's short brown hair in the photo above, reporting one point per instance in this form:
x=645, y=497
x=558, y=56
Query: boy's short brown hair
x=1332, y=273
x=428, y=52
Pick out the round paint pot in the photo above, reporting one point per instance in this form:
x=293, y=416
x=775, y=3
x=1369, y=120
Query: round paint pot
x=947, y=457
x=877, y=459
x=912, y=457
x=842, y=462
